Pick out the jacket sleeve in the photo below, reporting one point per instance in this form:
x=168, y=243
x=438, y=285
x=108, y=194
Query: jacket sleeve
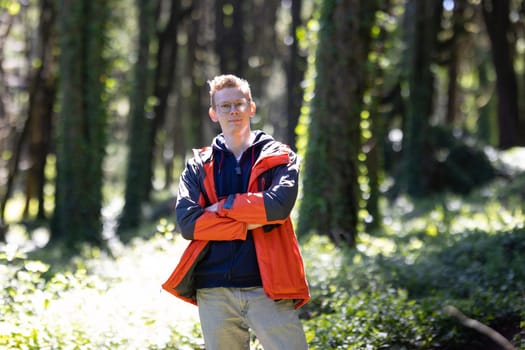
x=196, y=223
x=271, y=206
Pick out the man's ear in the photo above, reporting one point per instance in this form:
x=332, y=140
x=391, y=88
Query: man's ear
x=253, y=108
x=213, y=116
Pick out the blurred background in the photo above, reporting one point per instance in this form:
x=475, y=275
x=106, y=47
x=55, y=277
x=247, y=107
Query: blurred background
x=101, y=102
x=408, y=117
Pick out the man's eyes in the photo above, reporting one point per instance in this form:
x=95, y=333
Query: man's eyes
x=229, y=105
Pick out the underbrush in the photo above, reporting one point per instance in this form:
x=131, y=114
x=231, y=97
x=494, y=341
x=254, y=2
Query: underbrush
x=395, y=290
x=96, y=300
x=402, y=288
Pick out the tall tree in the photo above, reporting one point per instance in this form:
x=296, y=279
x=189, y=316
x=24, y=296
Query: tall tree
x=295, y=70
x=137, y=175
x=330, y=201
x=194, y=121
x=422, y=25
x=42, y=93
x=453, y=60
x=9, y=145
x=229, y=41
x=164, y=76
x=375, y=119
x=81, y=125
x=496, y=15
x=147, y=123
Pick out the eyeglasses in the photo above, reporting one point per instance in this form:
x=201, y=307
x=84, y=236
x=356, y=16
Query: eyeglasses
x=226, y=107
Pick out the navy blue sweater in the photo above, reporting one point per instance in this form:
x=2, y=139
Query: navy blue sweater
x=231, y=263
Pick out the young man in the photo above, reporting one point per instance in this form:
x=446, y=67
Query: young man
x=242, y=267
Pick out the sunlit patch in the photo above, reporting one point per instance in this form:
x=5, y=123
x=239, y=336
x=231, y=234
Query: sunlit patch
x=14, y=208
x=514, y=158
x=372, y=246
x=108, y=302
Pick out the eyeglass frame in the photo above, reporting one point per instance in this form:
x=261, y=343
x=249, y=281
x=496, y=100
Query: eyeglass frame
x=237, y=106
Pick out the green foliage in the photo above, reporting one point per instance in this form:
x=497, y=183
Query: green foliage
x=392, y=292
x=451, y=161
x=458, y=164
x=354, y=308
x=95, y=301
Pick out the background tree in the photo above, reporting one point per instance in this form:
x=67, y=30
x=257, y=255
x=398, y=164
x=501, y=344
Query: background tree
x=422, y=25
x=164, y=76
x=195, y=98
x=11, y=136
x=334, y=136
x=295, y=70
x=81, y=125
x=42, y=96
x=229, y=39
x=147, y=127
x=496, y=15
x=435, y=98
x=138, y=175
x=377, y=109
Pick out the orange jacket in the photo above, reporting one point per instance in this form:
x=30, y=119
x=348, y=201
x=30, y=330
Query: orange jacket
x=280, y=262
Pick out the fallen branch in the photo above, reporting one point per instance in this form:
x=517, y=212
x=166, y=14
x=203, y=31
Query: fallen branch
x=481, y=328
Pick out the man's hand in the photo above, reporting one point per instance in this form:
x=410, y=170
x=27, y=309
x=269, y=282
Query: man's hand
x=254, y=226
x=215, y=208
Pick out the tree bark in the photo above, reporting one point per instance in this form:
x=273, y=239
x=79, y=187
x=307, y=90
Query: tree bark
x=496, y=15
x=81, y=125
x=137, y=176
x=331, y=194
x=229, y=41
x=42, y=94
x=295, y=70
x=423, y=19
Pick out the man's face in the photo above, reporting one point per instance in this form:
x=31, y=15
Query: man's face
x=232, y=110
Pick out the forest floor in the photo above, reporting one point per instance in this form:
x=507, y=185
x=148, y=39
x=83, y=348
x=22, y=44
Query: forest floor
x=104, y=300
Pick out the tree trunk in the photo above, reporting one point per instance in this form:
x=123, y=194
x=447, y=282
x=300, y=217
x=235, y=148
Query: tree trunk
x=195, y=116
x=424, y=19
x=488, y=123
x=229, y=41
x=295, y=70
x=453, y=63
x=164, y=78
x=11, y=163
x=42, y=94
x=137, y=176
x=81, y=125
x=331, y=193
x=496, y=15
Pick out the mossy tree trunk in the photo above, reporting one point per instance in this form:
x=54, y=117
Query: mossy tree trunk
x=295, y=70
x=331, y=192
x=497, y=20
x=229, y=42
x=138, y=176
x=42, y=95
x=81, y=125
x=423, y=23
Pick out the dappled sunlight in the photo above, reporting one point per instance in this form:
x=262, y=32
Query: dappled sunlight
x=493, y=219
x=14, y=208
x=370, y=245
x=321, y=258
x=514, y=158
x=454, y=215
x=111, y=302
